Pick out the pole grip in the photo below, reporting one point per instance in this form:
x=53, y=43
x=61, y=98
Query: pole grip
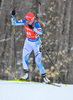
x=39, y=3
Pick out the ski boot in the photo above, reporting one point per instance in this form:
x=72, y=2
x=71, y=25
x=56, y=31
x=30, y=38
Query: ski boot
x=46, y=80
x=26, y=76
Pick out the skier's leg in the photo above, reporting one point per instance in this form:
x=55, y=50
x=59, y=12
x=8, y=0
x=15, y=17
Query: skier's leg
x=41, y=67
x=27, y=49
x=38, y=55
x=26, y=52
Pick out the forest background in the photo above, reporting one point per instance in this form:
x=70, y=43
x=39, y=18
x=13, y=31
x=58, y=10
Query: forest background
x=57, y=15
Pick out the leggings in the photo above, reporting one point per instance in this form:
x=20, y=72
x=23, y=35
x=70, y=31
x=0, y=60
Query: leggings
x=27, y=49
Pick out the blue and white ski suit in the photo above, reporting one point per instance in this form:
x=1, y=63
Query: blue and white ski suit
x=31, y=44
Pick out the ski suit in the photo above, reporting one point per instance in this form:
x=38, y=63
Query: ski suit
x=31, y=43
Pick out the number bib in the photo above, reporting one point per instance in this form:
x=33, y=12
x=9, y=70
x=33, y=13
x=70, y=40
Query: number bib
x=29, y=32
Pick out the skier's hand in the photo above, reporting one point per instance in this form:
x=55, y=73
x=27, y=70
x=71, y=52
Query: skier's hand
x=31, y=27
x=13, y=12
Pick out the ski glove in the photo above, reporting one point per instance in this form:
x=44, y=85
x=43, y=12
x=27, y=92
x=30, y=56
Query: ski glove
x=31, y=27
x=13, y=12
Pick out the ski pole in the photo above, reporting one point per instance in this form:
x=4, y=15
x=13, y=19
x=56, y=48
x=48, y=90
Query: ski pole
x=55, y=67
x=14, y=41
x=38, y=15
x=39, y=9
x=14, y=49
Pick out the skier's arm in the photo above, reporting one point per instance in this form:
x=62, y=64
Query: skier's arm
x=36, y=28
x=17, y=23
x=38, y=31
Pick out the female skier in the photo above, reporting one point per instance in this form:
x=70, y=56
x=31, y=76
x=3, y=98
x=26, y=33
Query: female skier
x=32, y=31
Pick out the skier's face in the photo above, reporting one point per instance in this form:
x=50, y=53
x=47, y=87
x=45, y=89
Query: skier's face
x=30, y=21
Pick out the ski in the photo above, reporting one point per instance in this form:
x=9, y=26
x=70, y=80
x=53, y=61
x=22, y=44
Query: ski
x=54, y=84
x=24, y=80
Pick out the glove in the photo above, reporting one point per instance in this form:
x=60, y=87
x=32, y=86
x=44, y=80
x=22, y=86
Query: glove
x=13, y=12
x=31, y=27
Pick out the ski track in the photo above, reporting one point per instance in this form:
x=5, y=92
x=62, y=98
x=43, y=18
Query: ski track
x=11, y=90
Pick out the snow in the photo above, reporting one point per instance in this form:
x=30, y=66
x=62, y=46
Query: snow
x=16, y=90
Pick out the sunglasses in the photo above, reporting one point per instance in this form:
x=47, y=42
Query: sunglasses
x=28, y=21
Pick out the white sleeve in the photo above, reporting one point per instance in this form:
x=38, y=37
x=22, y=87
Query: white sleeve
x=38, y=31
x=17, y=23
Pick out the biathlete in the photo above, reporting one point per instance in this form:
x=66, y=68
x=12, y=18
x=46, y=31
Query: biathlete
x=32, y=31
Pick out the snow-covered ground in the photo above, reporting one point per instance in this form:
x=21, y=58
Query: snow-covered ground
x=12, y=90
